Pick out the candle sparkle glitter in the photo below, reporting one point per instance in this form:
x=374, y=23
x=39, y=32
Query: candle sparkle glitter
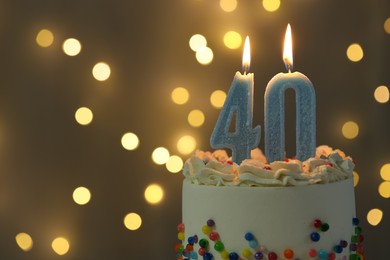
x=239, y=102
x=274, y=126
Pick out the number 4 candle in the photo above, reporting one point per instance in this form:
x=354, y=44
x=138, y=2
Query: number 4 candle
x=274, y=111
x=239, y=102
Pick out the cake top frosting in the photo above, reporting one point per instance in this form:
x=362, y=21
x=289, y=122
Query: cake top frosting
x=217, y=168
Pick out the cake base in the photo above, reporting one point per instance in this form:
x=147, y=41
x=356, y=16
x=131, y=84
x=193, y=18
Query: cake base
x=279, y=218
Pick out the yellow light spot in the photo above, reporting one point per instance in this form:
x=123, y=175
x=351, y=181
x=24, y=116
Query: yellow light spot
x=24, y=241
x=60, y=245
x=83, y=116
x=196, y=118
x=101, y=71
x=180, y=95
x=381, y=94
x=217, y=98
x=204, y=55
x=374, y=216
x=385, y=172
x=186, y=144
x=160, y=155
x=44, y=38
x=355, y=179
x=355, y=52
x=350, y=130
x=81, y=195
x=228, y=5
x=130, y=141
x=197, y=41
x=154, y=194
x=232, y=40
x=387, y=25
x=132, y=221
x=174, y=164
x=271, y=5
x=384, y=189
x=71, y=47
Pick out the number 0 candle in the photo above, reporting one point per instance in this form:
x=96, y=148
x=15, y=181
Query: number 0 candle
x=274, y=126
x=238, y=103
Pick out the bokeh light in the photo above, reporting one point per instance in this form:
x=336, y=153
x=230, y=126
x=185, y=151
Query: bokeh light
x=387, y=25
x=217, y=98
x=24, y=241
x=355, y=52
x=60, y=245
x=130, y=141
x=381, y=94
x=71, y=47
x=44, y=38
x=350, y=130
x=374, y=216
x=174, y=164
x=196, y=118
x=204, y=55
x=101, y=71
x=271, y=5
x=154, y=193
x=160, y=155
x=83, y=116
x=197, y=41
x=81, y=195
x=132, y=221
x=180, y=95
x=355, y=178
x=385, y=172
x=384, y=189
x=228, y=5
x=186, y=144
x=232, y=40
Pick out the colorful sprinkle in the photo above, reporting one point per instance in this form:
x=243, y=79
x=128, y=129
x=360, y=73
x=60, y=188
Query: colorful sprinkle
x=343, y=243
x=253, y=244
x=288, y=253
x=204, y=243
x=202, y=251
x=180, y=227
x=317, y=223
x=272, y=256
x=258, y=255
x=312, y=252
x=225, y=255
x=233, y=256
x=214, y=236
x=315, y=236
x=208, y=256
x=322, y=254
x=206, y=230
x=331, y=256
x=355, y=221
x=249, y=236
x=324, y=227
x=219, y=246
x=210, y=223
x=246, y=252
x=193, y=255
x=180, y=236
x=338, y=249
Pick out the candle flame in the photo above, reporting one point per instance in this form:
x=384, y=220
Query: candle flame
x=246, y=57
x=287, y=52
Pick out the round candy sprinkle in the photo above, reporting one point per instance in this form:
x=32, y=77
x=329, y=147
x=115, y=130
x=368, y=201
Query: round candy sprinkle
x=354, y=257
x=190, y=240
x=189, y=247
x=180, y=236
x=352, y=247
x=249, y=236
x=214, y=236
x=207, y=256
x=219, y=246
x=322, y=254
x=180, y=227
x=225, y=255
x=324, y=227
x=343, y=243
x=258, y=255
x=246, y=252
x=204, y=243
x=272, y=256
x=331, y=256
x=210, y=223
x=338, y=249
x=355, y=221
x=186, y=253
x=315, y=237
x=233, y=256
x=206, y=229
x=354, y=239
x=312, y=252
x=202, y=251
x=253, y=244
x=179, y=248
x=288, y=253
x=317, y=223
x=193, y=255
x=358, y=230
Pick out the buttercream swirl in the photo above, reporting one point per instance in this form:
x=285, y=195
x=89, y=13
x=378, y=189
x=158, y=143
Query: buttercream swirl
x=206, y=168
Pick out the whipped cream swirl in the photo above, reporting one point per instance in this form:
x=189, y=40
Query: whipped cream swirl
x=217, y=169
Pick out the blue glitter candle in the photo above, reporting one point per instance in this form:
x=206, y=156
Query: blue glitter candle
x=238, y=103
x=274, y=127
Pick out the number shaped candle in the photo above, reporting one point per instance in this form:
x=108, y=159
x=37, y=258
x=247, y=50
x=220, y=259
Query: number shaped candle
x=239, y=102
x=274, y=111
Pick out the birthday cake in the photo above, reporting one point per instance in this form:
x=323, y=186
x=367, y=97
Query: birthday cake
x=287, y=209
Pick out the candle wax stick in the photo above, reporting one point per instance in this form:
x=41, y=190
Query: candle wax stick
x=274, y=116
x=239, y=101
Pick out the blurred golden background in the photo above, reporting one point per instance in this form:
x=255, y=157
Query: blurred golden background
x=102, y=101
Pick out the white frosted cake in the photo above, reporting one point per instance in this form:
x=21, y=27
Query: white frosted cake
x=283, y=210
